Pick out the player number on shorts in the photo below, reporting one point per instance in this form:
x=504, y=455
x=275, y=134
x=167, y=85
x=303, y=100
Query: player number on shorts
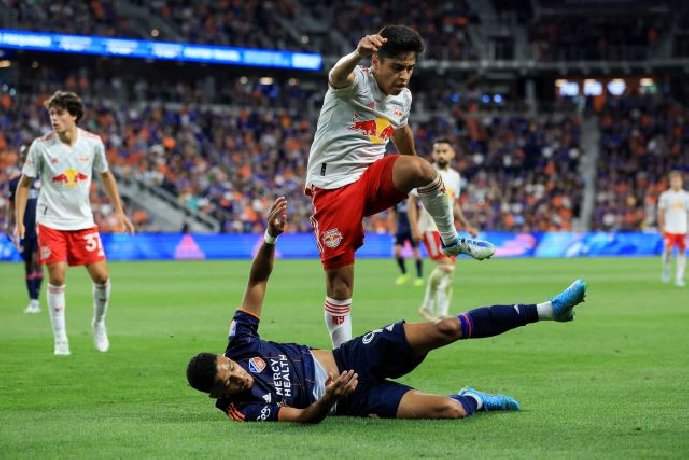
x=93, y=242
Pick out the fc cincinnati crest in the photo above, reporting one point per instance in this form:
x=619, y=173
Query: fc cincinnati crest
x=256, y=365
x=332, y=238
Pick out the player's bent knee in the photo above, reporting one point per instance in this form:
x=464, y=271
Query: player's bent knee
x=451, y=410
x=424, y=170
x=447, y=268
x=449, y=327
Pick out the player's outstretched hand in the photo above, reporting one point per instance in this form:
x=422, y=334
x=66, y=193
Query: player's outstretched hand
x=370, y=44
x=19, y=235
x=126, y=224
x=472, y=231
x=342, y=386
x=277, y=217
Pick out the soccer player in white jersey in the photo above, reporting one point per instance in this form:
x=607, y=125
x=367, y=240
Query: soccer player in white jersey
x=440, y=284
x=673, y=206
x=65, y=160
x=348, y=175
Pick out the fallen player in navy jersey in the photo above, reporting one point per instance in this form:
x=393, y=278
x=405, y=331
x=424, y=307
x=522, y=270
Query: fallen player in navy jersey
x=258, y=380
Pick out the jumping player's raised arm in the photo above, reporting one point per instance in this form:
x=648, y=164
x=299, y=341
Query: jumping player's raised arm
x=262, y=266
x=342, y=73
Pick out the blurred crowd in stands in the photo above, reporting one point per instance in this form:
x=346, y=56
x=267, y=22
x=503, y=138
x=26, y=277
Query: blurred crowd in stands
x=225, y=147
x=229, y=162
x=594, y=38
x=238, y=22
x=642, y=139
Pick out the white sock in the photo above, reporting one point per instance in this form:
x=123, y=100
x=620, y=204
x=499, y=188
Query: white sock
x=445, y=289
x=545, y=310
x=35, y=303
x=429, y=299
x=666, y=263
x=56, y=306
x=338, y=320
x=441, y=208
x=681, y=265
x=101, y=295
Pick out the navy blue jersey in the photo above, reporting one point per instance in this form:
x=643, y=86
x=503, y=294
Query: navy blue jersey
x=283, y=373
x=32, y=199
x=402, y=211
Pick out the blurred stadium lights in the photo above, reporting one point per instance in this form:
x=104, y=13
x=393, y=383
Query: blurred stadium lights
x=148, y=49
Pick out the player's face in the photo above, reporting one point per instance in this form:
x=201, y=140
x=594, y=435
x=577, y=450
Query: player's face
x=393, y=74
x=230, y=379
x=443, y=154
x=676, y=181
x=61, y=120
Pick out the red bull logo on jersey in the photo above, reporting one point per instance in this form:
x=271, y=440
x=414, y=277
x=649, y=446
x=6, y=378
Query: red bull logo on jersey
x=70, y=178
x=378, y=130
x=332, y=238
x=256, y=365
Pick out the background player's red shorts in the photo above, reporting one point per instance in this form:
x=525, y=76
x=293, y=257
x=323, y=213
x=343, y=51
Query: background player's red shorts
x=77, y=247
x=433, y=244
x=675, y=239
x=337, y=213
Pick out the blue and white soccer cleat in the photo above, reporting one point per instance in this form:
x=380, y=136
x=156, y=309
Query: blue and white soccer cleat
x=477, y=249
x=564, y=302
x=491, y=402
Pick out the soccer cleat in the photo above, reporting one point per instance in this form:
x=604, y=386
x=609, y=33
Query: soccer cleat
x=402, y=279
x=100, y=337
x=564, y=302
x=477, y=249
x=665, y=278
x=419, y=282
x=32, y=309
x=491, y=402
x=680, y=283
x=61, y=348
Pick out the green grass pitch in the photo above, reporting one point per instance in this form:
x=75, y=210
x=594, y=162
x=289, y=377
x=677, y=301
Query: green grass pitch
x=611, y=384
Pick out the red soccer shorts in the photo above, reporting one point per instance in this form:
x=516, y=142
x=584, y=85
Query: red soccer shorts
x=675, y=239
x=76, y=247
x=433, y=244
x=337, y=213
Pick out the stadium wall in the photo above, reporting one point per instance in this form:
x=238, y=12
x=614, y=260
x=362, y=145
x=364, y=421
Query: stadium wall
x=177, y=246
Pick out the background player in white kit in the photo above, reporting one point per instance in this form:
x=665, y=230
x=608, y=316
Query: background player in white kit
x=440, y=284
x=673, y=206
x=65, y=160
x=348, y=175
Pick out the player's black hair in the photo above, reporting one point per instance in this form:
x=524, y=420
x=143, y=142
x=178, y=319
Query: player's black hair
x=201, y=371
x=68, y=101
x=401, y=40
x=442, y=140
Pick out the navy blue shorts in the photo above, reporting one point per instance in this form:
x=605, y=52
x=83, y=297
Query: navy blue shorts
x=401, y=237
x=376, y=356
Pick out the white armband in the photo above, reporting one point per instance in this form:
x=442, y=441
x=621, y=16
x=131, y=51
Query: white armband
x=268, y=238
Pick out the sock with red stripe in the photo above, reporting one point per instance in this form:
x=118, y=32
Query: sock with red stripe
x=338, y=320
x=496, y=319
